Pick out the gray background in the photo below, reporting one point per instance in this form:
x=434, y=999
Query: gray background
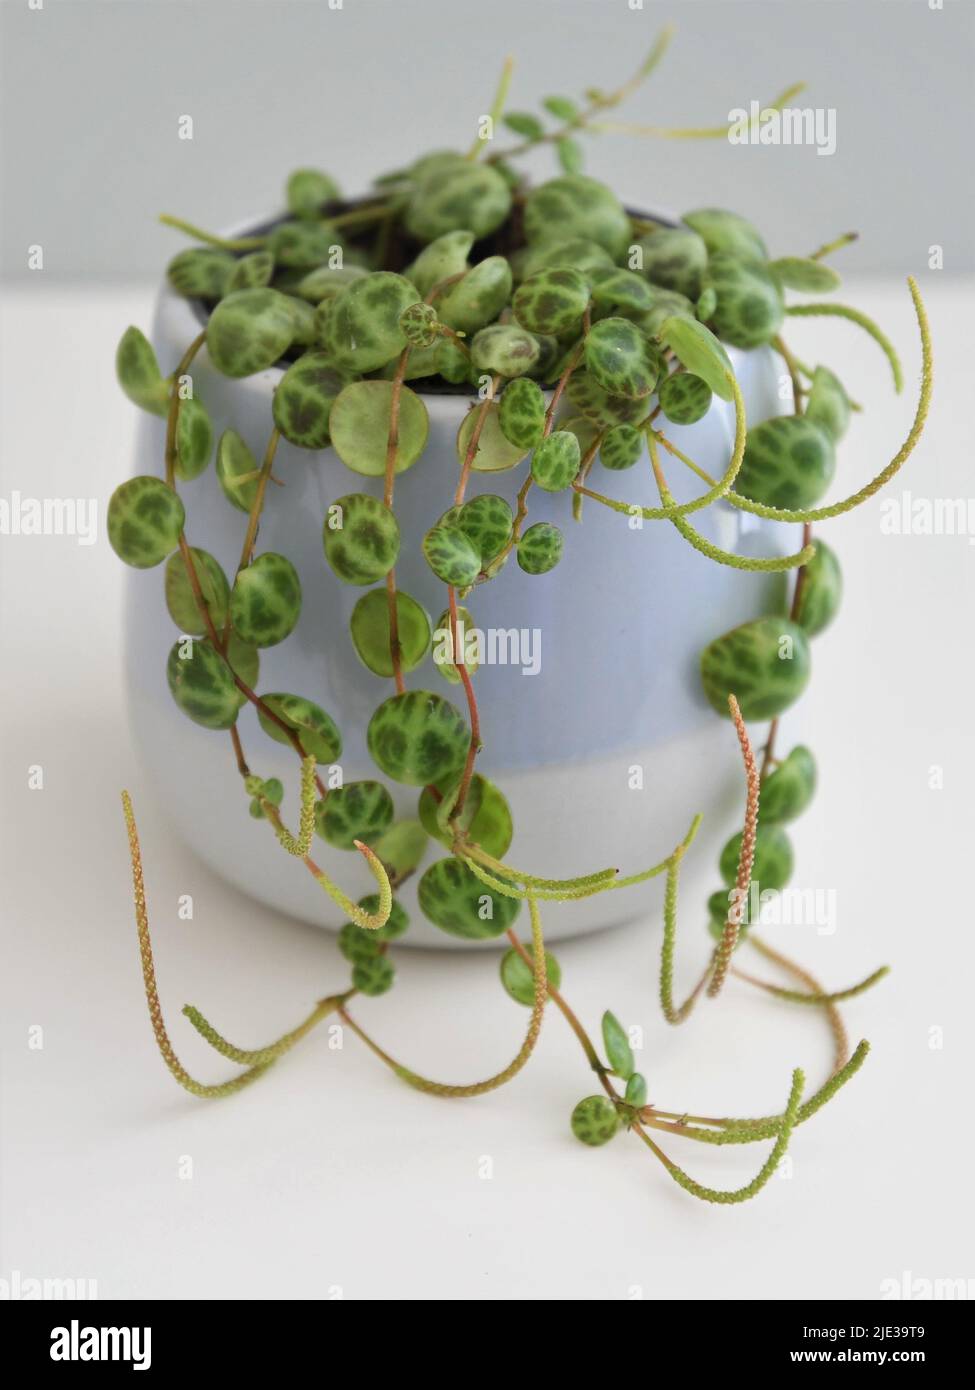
x=93, y=89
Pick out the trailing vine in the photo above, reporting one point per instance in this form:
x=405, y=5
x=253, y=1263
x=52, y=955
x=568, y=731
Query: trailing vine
x=583, y=334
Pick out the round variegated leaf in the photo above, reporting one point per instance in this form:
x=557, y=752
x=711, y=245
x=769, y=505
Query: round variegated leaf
x=556, y=461
x=202, y=272
x=194, y=439
x=181, y=599
x=369, y=626
x=773, y=863
x=522, y=413
x=468, y=650
x=750, y=307
x=622, y=447
x=540, y=548
x=456, y=901
x=828, y=405
x=621, y=358
x=359, y=424
x=308, y=190
x=265, y=602
x=317, y=730
x=684, y=398
x=201, y=684
x=789, y=462
x=237, y=470
x=458, y=197
x=726, y=231
x=441, y=260
x=355, y=811
x=820, y=590
x=363, y=330
x=478, y=299
x=304, y=397
x=252, y=272
x=700, y=352
x=764, y=663
x=249, y=331
x=487, y=521
x=138, y=372
x=578, y=252
x=576, y=206
x=789, y=788
x=451, y=555
x=145, y=521
x=495, y=453
x=552, y=301
x=595, y=1121
x=675, y=259
x=417, y=737
x=361, y=538
x=518, y=977
x=504, y=350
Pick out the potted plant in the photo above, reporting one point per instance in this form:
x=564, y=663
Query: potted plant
x=506, y=505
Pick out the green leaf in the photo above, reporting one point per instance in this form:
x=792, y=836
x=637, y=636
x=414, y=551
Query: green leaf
x=486, y=815
x=265, y=602
x=237, y=470
x=820, y=591
x=595, y=1120
x=317, y=730
x=561, y=108
x=773, y=858
x=308, y=190
x=788, y=462
x=304, y=397
x=518, y=978
x=622, y=359
x=495, y=453
x=697, y=349
x=552, y=301
x=359, y=425
x=456, y=901
x=417, y=737
x=443, y=645
x=828, y=405
x=145, y=521
x=451, y=555
x=505, y=350
x=194, y=439
x=789, y=788
x=684, y=398
x=369, y=626
x=522, y=123
x=252, y=272
x=201, y=684
x=461, y=196
x=373, y=977
x=800, y=273
x=180, y=599
x=487, y=521
x=570, y=154
x=356, y=811
x=540, y=548
x=556, y=461
x=363, y=330
x=249, y=331
x=361, y=538
x=636, y=1091
x=522, y=413
x=765, y=663
x=138, y=372
x=401, y=848
x=617, y=1046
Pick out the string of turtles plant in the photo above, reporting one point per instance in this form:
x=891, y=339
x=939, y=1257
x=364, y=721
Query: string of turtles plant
x=582, y=335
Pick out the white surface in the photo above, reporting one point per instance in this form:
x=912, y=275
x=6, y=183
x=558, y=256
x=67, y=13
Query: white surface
x=329, y=1172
